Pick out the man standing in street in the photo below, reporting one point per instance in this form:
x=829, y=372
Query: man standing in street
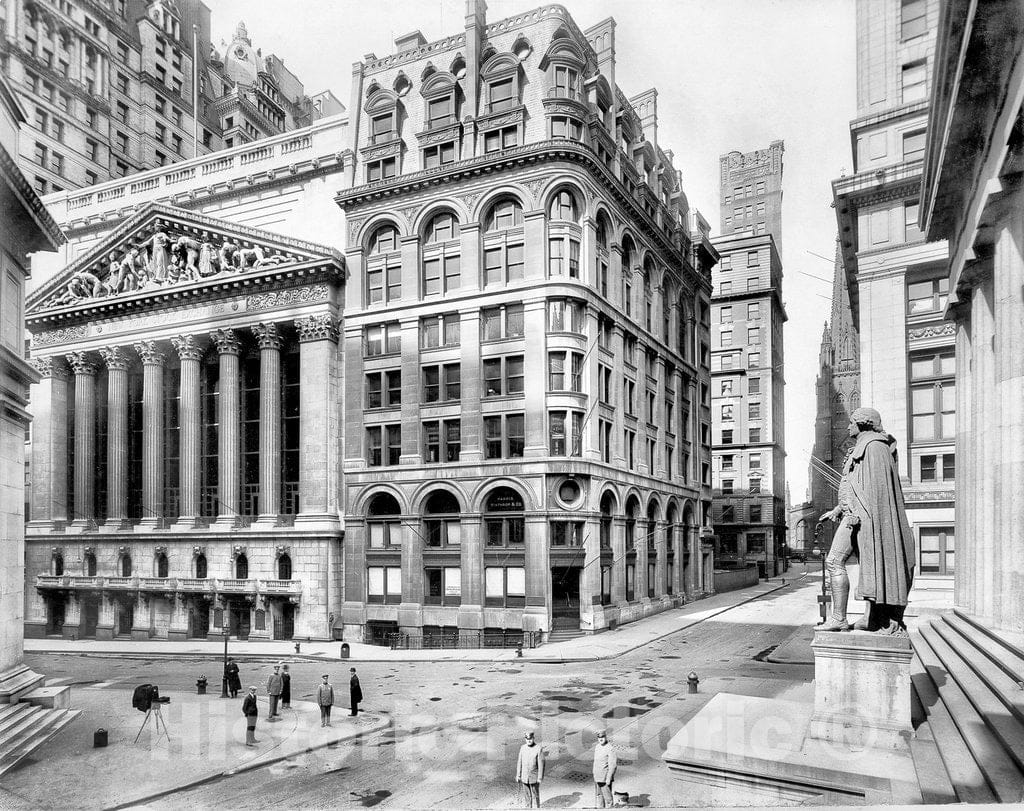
x=530, y=770
x=604, y=770
x=325, y=699
x=355, y=693
x=231, y=675
x=286, y=688
x=251, y=712
x=873, y=521
x=274, y=687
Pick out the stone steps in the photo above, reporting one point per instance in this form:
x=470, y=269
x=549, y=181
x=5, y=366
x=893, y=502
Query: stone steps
x=32, y=731
x=967, y=680
x=563, y=635
x=16, y=682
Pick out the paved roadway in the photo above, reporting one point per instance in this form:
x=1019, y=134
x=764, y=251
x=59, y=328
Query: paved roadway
x=458, y=726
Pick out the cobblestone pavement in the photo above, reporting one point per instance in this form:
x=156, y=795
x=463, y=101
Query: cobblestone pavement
x=457, y=726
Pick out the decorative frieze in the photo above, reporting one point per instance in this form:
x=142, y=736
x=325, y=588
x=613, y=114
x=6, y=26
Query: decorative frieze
x=287, y=298
x=321, y=327
x=59, y=336
x=226, y=341
x=933, y=331
x=114, y=357
x=149, y=353
x=186, y=347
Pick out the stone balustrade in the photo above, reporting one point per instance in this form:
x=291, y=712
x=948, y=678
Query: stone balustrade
x=192, y=585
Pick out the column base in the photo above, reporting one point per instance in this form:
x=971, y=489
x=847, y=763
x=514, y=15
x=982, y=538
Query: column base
x=35, y=630
x=141, y=635
x=326, y=522
x=41, y=527
x=150, y=523
x=104, y=633
x=183, y=524
x=227, y=522
x=267, y=521
x=177, y=636
x=69, y=631
x=116, y=525
x=80, y=526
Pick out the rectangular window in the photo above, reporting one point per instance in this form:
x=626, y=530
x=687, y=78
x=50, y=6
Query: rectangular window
x=755, y=435
x=753, y=336
x=441, y=274
x=504, y=138
x=727, y=487
x=726, y=314
x=501, y=95
x=504, y=586
x=443, y=586
x=40, y=154
x=504, y=436
x=439, y=330
x=381, y=170
x=911, y=229
x=755, y=542
x=728, y=510
x=442, y=440
x=913, y=21
x=604, y=439
x=938, y=548
x=629, y=448
x=565, y=371
x=630, y=581
x=928, y=468
x=566, y=315
x=503, y=375
x=914, y=79
x=727, y=388
x=440, y=112
x=442, y=383
x=727, y=436
x=566, y=127
x=384, y=389
x=567, y=533
x=755, y=461
x=383, y=445
x=727, y=413
x=753, y=311
x=728, y=462
x=753, y=259
x=949, y=467
x=57, y=163
x=122, y=142
x=913, y=144
x=726, y=337
x=503, y=264
x=755, y=512
x=754, y=411
x=502, y=322
x=122, y=83
x=933, y=408
x=384, y=584
x=754, y=385
x=753, y=360
x=439, y=155
x=929, y=296
x=382, y=128
x=383, y=339
x=565, y=429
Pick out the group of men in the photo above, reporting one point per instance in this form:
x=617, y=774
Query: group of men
x=530, y=770
x=279, y=693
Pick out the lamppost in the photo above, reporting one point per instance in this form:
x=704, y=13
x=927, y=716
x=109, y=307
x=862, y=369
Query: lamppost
x=818, y=552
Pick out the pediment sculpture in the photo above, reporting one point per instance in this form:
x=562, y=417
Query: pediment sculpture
x=163, y=259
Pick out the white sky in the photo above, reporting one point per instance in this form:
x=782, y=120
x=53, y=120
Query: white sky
x=731, y=74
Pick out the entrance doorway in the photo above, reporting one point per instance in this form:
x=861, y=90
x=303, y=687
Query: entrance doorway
x=199, y=620
x=238, y=622
x=284, y=623
x=123, y=619
x=55, y=615
x=565, y=597
x=90, y=616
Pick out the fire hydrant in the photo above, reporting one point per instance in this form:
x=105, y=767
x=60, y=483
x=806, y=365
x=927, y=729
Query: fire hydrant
x=519, y=649
x=693, y=681
x=201, y=685
x=296, y=647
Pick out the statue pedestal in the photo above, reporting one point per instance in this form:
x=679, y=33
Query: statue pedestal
x=861, y=689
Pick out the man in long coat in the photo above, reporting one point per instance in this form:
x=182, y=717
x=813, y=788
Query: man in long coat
x=355, y=692
x=251, y=712
x=530, y=770
x=274, y=686
x=233, y=679
x=873, y=521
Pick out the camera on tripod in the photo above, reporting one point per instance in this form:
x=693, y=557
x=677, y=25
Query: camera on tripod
x=146, y=695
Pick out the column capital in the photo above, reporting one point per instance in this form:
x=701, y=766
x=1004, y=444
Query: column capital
x=50, y=367
x=114, y=357
x=322, y=327
x=187, y=347
x=81, y=363
x=268, y=335
x=227, y=342
x=150, y=354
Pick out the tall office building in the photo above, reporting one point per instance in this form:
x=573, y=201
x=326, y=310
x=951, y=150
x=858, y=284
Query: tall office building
x=489, y=416
x=109, y=88
x=897, y=283
x=747, y=367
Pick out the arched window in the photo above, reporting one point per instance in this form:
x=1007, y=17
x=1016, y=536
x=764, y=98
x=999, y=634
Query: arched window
x=442, y=267
x=161, y=565
x=58, y=565
x=126, y=565
x=601, y=232
x=382, y=522
x=504, y=524
x=284, y=567
x=90, y=565
x=648, y=294
x=383, y=267
x=632, y=508
x=441, y=520
x=628, y=258
x=504, y=257
x=242, y=567
x=201, y=567
x=564, y=236
x=607, y=508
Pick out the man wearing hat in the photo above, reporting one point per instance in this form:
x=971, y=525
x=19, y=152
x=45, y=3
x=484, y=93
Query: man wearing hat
x=325, y=699
x=530, y=770
x=251, y=712
x=274, y=687
x=605, y=764
x=873, y=520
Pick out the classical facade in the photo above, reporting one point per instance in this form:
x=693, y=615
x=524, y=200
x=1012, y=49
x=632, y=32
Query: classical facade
x=972, y=196
x=747, y=364
x=26, y=227
x=113, y=87
x=897, y=282
x=504, y=428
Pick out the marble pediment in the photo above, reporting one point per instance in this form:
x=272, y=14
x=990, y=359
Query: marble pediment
x=163, y=250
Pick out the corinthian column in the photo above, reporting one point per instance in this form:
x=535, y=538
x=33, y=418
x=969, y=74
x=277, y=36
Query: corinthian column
x=188, y=393
x=117, y=436
x=269, y=339
x=319, y=420
x=49, y=406
x=228, y=448
x=85, y=438
x=152, y=432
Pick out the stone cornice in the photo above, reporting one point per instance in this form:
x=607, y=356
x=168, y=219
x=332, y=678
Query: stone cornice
x=30, y=201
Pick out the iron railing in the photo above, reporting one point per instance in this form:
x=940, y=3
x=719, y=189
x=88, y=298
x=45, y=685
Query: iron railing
x=473, y=640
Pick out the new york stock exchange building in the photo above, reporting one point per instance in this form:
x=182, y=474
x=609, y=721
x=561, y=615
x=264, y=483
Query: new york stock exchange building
x=435, y=367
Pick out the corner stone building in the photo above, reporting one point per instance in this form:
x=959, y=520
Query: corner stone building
x=502, y=419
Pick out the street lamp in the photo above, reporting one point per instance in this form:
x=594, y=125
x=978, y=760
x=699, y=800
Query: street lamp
x=818, y=552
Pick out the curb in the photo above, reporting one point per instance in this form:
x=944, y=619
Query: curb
x=248, y=767
x=292, y=657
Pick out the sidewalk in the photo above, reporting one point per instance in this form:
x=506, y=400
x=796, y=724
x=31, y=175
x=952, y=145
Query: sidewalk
x=606, y=645
x=207, y=741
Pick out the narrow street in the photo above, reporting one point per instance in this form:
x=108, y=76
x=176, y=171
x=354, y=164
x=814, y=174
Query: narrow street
x=457, y=727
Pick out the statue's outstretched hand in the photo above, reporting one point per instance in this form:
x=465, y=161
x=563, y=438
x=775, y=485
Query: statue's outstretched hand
x=831, y=515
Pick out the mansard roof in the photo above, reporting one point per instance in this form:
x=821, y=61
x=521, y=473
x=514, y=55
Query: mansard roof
x=164, y=252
